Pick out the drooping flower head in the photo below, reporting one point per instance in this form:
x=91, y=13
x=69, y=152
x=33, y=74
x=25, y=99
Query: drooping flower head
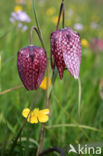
x=31, y=64
x=66, y=50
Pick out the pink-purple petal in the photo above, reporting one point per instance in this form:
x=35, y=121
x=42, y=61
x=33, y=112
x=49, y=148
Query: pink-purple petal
x=71, y=49
x=31, y=66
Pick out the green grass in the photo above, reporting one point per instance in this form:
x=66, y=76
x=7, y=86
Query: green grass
x=64, y=99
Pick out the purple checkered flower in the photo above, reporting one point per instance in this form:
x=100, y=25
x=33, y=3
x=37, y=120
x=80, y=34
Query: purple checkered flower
x=31, y=63
x=66, y=50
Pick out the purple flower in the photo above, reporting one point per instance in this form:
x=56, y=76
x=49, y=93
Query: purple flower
x=20, y=25
x=96, y=45
x=23, y=17
x=12, y=20
x=78, y=26
x=20, y=16
x=66, y=51
x=31, y=62
x=24, y=28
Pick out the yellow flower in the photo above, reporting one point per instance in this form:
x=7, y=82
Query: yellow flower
x=50, y=11
x=44, y=83
x=84, y=43
x=55, y=19
x=36, y=115
x=18, y=8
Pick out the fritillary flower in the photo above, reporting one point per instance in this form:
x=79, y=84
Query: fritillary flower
x=66, y=50
x=31, y=63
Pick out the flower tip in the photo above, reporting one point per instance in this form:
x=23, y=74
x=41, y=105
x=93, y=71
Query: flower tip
x=76, y=77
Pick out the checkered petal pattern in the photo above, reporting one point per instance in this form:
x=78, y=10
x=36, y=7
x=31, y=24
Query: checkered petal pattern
x=56, y=51
x=31, y=63
x=66, y=49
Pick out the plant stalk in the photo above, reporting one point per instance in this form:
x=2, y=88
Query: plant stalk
x=62, y=9
x=79, y=98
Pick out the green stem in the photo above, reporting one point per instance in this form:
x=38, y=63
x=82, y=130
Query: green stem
x=16, y=139
x=63, y=22
x=41, y=140
x=36, y=20
x=47, y=90
x=74, y=125
x=19, y=133
x=35, y=16
x=11, y=89
x=31, y=34
x=79, y=97
x=42, y=130
x=62, y=8
x=38, y=33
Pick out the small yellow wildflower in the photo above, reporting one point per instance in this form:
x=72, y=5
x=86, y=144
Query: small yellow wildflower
x=18, y=8
x=84, y=43
x=55, y=19
x=50, y=11
x=36, y=115
x=44, y=83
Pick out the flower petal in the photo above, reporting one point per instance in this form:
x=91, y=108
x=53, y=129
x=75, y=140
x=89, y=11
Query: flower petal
x=32, y=119
x=35, y=111
x=43, y=85
x=25, y=112
x=44, y=111
x=72, y=52
x=31, y=63
x=42, y=117
x=56, y=51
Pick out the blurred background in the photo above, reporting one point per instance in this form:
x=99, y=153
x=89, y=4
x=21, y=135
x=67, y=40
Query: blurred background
x=16, y=19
